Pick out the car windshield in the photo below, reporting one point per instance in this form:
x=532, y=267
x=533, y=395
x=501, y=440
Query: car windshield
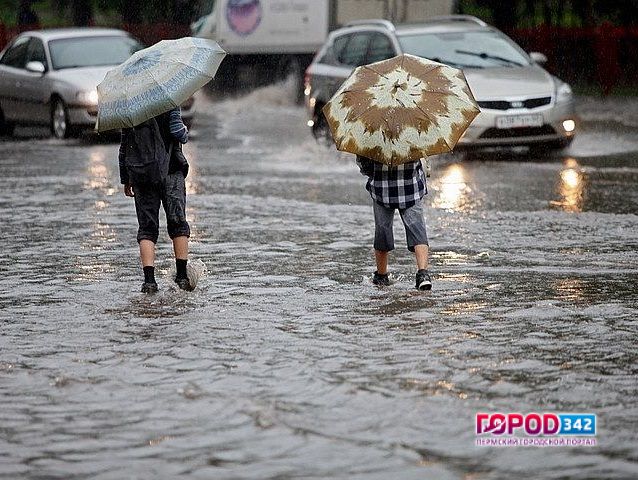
x=480, y=49
x=91, y=51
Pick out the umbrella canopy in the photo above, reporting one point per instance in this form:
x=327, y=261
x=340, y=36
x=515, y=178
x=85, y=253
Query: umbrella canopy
x=400, y=110
x=156, y=80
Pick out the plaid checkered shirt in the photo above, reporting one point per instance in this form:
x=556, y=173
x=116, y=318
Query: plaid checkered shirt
x=394, y=187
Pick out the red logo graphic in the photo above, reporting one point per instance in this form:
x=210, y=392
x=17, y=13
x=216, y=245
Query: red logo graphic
x=244, y=16
x=508, y=423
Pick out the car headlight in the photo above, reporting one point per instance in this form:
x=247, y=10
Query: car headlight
x=88, y=97
x=563, y=93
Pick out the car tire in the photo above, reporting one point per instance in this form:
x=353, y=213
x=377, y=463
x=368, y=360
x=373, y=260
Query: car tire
x=321, y=130
x=6, y=128
x=60, y=125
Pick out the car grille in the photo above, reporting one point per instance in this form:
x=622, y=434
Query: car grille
x=506, y=105
x=518, y=132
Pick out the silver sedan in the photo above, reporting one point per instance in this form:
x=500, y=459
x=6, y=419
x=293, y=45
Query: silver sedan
x=49, y=77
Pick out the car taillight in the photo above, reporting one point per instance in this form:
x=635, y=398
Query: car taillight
x=306, y=83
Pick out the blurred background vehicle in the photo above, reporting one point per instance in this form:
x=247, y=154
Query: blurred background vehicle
x=521, y=103
x=270, y=40
x=49, y=77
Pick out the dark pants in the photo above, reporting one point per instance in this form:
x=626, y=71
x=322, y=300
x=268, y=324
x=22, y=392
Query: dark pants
x=172, y=195
x=413, y=221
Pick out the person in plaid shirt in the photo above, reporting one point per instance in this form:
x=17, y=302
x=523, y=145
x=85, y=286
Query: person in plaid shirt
x=397, y=188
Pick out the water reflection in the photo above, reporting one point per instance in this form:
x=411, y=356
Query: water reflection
x=453, y=189
x=98, y=175
x=193, y=187
x=571, y=187
x=103, y=235
x=464, y=308
x=193, y=184
x=571, y=289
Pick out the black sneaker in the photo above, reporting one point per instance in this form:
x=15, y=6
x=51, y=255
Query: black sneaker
x=149, y=287
x=184, y=284
x=423, y=280
x=381, y=280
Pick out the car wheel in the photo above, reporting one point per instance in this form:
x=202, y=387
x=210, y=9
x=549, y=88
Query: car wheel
x=321, y=130
x=60, y=127
x=6, y=128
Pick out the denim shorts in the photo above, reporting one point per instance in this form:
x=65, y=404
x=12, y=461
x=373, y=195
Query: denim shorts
x=413, y=221
x=172, y=196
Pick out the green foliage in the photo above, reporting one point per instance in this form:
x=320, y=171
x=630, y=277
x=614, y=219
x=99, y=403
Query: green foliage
x=8, y=9
x=568, y=13
x=61, y=12
x=505, y=14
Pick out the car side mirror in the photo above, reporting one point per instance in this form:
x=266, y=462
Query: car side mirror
x=538, y=57
x=36, y=67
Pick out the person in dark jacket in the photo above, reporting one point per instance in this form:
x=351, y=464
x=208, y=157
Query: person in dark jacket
x=170, y=193
x=397, y=188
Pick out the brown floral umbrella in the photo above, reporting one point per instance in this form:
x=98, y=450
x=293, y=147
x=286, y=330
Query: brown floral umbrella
x=400, y=110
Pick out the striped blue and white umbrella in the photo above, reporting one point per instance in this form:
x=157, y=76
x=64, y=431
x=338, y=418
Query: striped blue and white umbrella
x=156, y=80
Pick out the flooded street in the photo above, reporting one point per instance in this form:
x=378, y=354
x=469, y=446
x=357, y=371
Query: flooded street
x=287, y=362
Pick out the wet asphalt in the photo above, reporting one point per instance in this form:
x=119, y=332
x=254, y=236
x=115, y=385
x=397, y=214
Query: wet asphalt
x=286, y=362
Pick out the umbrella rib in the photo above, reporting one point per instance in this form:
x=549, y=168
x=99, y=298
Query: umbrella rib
x=367, y=67
x=180, y=62
x=161, y=86
x=433, y=121
x=367, y=110
x=437, y=92
x=362, y=114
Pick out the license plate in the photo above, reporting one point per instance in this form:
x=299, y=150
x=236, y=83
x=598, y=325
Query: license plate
x=519, y=121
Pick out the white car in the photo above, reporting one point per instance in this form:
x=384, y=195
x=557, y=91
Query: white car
x=521, y=103
x=49, y=77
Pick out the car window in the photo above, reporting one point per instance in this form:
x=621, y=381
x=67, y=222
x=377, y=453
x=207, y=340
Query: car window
x=36, y=52
x=334, y=50
x=380, y=48
x=99, y=51
x=354, y=53
x=16, y=55
x=338, y=45
x=476, y=49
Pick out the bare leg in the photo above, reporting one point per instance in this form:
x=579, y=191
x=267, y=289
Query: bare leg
x=421, y=253
x=180, y=247
x=382, y=261
x=147, y=253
